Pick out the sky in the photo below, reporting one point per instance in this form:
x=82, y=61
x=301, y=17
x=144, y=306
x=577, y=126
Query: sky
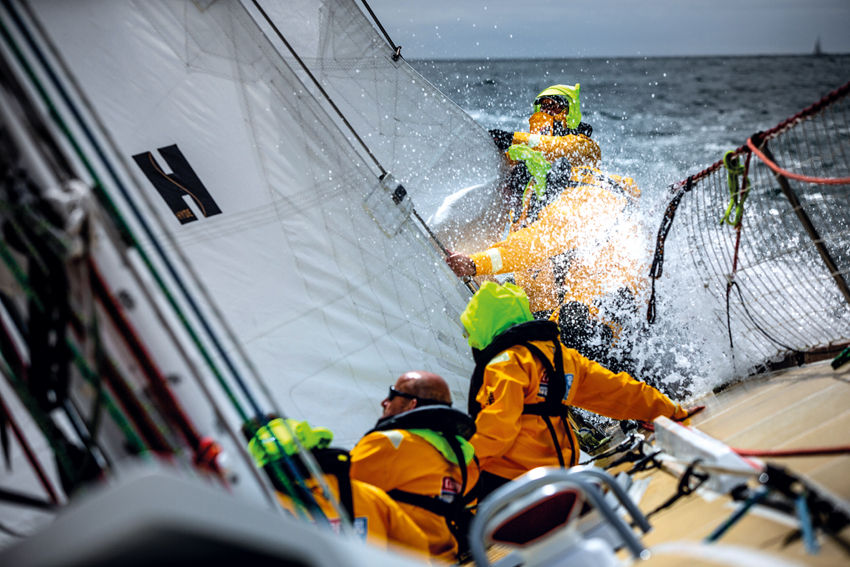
x=478, y=29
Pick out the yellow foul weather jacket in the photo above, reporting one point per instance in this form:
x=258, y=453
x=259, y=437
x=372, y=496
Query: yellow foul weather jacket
x=402, y=460
x=378, y=519
x=509, y=443
x=580, y=247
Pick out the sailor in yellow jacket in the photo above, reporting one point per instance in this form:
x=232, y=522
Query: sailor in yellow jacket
x=573, y=245
x=375, y=517
x=419, y=454
x=525, y=380
x=577, y=248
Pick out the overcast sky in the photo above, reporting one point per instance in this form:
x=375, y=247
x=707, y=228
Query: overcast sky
x=600, y=28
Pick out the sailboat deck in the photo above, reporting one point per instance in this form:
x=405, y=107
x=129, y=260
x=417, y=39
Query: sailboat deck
x=793, y=409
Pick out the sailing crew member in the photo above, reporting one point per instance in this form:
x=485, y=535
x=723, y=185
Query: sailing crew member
x=557, y=112
x=572, y=245
x=524, y=382
x=419, y=454
x=375, y=517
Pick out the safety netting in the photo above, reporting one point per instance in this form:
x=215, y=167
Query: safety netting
x=767, y=231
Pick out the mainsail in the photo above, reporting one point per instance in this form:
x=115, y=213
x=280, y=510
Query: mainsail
x=246, y=153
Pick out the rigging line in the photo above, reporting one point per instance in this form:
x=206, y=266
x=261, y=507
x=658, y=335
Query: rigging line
x=14, y=497
x=118, y=217
x=803, y=452
x=143, y=358
x=29, y=454
x=472, y=287
x=796, y=176
x=319, y=86
x=22, y=388
x=137, y=411
x=79, y=361
x=202, y=384
x=44, y=422
x=103, y=398
x=396, y=48
x=755, y=324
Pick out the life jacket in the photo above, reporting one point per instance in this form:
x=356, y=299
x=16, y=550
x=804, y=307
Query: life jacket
x=450, y=424
x=337, y=462
x=578, y=149
x=548, y=125
x=552, y=407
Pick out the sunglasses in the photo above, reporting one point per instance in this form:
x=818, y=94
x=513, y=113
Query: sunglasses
x=553, y=105
x=396, y=393
x=393, y=393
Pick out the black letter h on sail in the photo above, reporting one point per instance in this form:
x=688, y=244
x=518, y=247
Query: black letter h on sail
x=173, y=187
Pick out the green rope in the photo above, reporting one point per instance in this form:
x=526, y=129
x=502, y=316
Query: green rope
x=44, y=423
x=80, y=362
x=117, y=415
x=842, y=359
x=736, y=197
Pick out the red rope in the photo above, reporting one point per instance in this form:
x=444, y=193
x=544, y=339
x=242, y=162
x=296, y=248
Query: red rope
x=811, y=110
x=830, y=98
x=808, y=452
x=30, y=455
x=796, y=176
x=206, y=450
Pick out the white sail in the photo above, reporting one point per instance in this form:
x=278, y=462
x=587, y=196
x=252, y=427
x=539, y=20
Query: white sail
x=431, y=146
x=310, y=283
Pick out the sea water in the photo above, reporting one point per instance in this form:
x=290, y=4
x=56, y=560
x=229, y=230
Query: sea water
x=657, y=120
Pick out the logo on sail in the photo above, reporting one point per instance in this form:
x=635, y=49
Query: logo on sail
x=174, y=187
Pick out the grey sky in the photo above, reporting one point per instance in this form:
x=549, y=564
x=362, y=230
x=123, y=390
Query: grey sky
x=600, y=28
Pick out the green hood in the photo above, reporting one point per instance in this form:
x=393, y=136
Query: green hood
x=277, y=437
x=493, y=310
x=571, y=95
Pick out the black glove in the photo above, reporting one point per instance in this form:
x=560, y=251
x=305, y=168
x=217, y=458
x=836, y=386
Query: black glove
x=559, y=174
x=502, y=139
x=585, y=129
x=518, y=178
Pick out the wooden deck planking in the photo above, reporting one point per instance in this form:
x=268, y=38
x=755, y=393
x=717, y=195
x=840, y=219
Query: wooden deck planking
x=797, y=408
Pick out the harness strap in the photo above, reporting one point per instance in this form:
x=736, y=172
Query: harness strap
x=553, y=434
x=338, y=463
x=557, y=386
x=552, y=407
x=457, y=516
x=461, y=461
x=522, y=335
x=516, y=335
